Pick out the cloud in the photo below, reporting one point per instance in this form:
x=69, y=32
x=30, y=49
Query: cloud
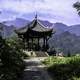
x=52, y=10
x=21, y=6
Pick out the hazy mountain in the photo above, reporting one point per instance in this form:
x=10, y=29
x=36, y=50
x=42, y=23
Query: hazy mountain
x=65, y=42
x=60, y=28
x=18, y=22
x=65, y=39
x=9, y=26
x=6, y=31
x=75, y=29
x=46, y=23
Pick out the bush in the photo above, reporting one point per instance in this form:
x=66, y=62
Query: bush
x=66, y=68
x=11, y=60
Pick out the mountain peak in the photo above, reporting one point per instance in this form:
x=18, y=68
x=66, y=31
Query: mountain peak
x=46, y=23
x=60, y=24
x=18, y=22
x=20, y=19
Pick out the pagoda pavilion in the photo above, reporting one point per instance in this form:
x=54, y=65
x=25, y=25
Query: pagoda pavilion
x=33, y=33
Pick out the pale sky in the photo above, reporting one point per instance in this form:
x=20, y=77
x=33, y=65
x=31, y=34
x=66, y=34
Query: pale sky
x=51, y=10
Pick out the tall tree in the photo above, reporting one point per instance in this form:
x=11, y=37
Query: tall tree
x=77, y=6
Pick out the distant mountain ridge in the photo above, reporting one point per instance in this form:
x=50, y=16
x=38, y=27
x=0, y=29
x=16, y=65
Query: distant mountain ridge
x=8, y=27
x=46, y=23
x=75, y=29
x=18, y=22
x=66, y=43
x=6, y=31
x=66, y=38
x=59, y=27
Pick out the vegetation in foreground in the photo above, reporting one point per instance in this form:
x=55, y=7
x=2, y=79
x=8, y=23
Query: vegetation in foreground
x=11, y=59
x=63, y=68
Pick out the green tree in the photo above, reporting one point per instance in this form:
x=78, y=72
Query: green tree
x=77, y=6
x=11, y=62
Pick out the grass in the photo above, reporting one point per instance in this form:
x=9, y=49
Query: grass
x=63, y=68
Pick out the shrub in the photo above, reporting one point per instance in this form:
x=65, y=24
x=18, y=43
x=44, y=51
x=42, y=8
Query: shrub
x=66, y=68
x=11, y=60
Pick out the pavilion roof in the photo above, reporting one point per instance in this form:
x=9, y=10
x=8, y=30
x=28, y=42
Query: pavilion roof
x=35, y=25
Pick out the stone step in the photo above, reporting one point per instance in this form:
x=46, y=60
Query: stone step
x=41, y=54
x=36, y=53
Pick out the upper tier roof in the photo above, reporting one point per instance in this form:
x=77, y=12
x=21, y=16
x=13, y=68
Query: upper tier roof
x=35, y=25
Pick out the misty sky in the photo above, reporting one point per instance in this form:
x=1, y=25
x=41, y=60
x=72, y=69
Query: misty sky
x=51, y=10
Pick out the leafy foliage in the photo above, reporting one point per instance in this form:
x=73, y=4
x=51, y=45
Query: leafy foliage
x=11, y=64
x=65, y=68
x=77, y=6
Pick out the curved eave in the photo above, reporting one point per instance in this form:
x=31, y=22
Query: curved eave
x=40, y=34
x=18, y=32
x=42, y=31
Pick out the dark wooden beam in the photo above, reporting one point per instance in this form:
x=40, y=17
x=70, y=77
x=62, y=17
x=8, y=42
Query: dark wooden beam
x=28, y=43
x=44, y=43
x=38, y=43
x=32, y=43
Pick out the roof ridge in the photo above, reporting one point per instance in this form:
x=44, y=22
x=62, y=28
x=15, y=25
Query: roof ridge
x=42, y=24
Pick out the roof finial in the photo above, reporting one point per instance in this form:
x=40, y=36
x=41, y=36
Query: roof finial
x=36, y=16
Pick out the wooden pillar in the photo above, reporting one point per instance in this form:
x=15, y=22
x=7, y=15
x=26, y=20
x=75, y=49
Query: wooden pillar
x=24, y=42
x=32, y=43
x=38, y=43
x=28, y=43
x=45, y=41
x=44, y=44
